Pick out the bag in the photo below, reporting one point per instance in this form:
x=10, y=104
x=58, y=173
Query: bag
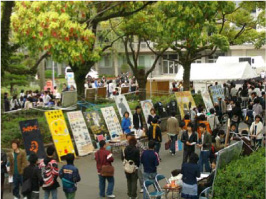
x=129, y=165
x=67, y=183
x=26, y=187
x=167, y=145
x=107, y=171
x=248, y=120
x=235, y=118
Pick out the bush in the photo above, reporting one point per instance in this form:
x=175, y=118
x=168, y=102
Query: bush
x=242, y=178
x=49, y=74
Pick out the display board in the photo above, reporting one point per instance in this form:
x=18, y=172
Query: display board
x=32, y=137
x=80, y=133
x=112, y=122
x=216, y=92
x=122, y=106
x=146, y=106
x=207, y=100
x=96, y=124
x=60, y=133
x=69, y=98
x=184, y=99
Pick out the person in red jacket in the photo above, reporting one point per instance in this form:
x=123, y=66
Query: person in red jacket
x=104, y=157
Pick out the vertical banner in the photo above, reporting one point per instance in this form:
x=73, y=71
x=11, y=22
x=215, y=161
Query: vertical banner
x=32, y=137
x=184, y=99
x=96, y=123
x=80, y=133
x=123, y=106
x=216, y=92
x=60, y=133
x=207, y=100
x=146, y=106
x=112, y=122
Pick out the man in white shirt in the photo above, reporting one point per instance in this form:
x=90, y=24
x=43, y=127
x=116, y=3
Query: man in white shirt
x=46, y=98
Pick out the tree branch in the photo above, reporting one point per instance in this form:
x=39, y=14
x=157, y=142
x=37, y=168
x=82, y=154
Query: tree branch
x=200, y=56
x=111, y=44
x=35, y=66
x=238, y=34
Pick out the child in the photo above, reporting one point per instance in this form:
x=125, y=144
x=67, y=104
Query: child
x=176, y=176
x=70, y=176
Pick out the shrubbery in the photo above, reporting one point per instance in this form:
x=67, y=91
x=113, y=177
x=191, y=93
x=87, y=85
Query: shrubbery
x=49, y=74
x=242, y=178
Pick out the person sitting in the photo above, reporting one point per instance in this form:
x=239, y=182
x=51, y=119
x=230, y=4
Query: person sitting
x=126, y=123
x=220, y=140
x=177, y=177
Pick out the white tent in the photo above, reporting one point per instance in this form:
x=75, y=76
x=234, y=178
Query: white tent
x=218, y=72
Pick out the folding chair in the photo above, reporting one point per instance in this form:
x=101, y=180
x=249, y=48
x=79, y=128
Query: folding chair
x=154, y=194
x=158, y=178
x=205, y=193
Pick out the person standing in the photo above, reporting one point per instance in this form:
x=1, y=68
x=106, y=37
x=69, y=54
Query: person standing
x=33, y=173
x=104, y=157
x=131, y=152
x=236, y=115
x=155, y=134
x=70, y=176
x=3, y=171
x=153, y=115
x=126, y=123
x=205, y=147
x=18, y=162
x=137, y=119
x=6, y=103
x=49, y=168
x=256, y=131
x=172, y=127
x=213, y=120
x=189, y=138
x=150, y=161
x=257, y=108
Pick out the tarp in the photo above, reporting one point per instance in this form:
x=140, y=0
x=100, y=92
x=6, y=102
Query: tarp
x=218, y=72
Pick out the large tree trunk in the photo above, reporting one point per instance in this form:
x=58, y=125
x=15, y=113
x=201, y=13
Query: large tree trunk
x=186, y=76
x=41, y=74
x=142, y=88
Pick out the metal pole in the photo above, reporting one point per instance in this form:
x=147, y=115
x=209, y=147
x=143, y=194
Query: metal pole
x=53, y=75
x=150, y=85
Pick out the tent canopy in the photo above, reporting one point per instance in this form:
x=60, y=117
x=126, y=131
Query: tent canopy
x=218, y=72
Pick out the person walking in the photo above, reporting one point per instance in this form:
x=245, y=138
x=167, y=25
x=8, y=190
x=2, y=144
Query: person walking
x=131, y=152
x=103, y=158
x=205, y=147
x=33, y=173
x=256, y=131
x=126, y=123
x=70, y=176
x=3, y=171
x=150, y=161
x=18, y=162
x=155, y=134
x=189, y=138
x=49, y=168
x=172, y=127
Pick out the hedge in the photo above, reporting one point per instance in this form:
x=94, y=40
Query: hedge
x=242, y=178
x=49, y=74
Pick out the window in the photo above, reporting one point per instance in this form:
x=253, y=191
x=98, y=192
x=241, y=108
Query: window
x=213, y=58
x=107, y=61
x=142, y=60
x=169, y=65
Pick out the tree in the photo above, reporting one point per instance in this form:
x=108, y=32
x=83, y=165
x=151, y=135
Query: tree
x=67, y=31
x=191, y=28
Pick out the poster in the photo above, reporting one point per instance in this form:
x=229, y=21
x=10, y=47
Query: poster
x=216, y=92
x=146, y=106
x=122, y=106
x=207, y=100
x=96, y=123
x=184, y=99
x=32, y=137
x=60, y=133
x=112, y=122
x=69, y=98
x=80, y=133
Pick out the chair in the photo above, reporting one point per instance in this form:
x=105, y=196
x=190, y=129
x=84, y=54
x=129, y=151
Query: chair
x=158, y=178
x=154, y=194
x=205, y=193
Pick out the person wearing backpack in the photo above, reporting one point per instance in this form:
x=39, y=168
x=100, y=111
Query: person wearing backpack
x=70, y=176
x=249, y=116
x=49, y=168
x=32, y=179
x=131, y=158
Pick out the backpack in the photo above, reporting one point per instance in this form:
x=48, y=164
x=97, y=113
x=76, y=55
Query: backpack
x=129, y=165
x=26, y=187
x=47, y=173
x=248, y=120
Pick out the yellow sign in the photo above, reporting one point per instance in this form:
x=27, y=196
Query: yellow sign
x=183, y=100
x=60, y=133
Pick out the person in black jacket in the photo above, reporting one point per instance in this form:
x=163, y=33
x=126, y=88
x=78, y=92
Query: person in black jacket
x=188, y=137
x=153, y=115
x=137, y=119
x=236, y=115
x=131, y=152
x=3, y=171
x=6, y=102
x=34, y=173
x=155, y=134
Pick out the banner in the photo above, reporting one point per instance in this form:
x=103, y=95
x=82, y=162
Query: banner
x=207, y=100
x=216, y=92
x=96, y=124
x=178, y=145
x=146, y=106
x=112, y=122
x=32, y=138
x=59, y=131
x=69, y=98
x=184, y=99
x=122, y=106
x=80, y=133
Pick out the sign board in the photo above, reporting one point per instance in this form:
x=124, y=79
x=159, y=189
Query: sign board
x=207, y=100
x=112, y=122
x=216, y=92
x=122, y=106
x=146, y=106
x=80, y=133
x=183, y=100
x=69, y=98
x=31, y=135
x=60, y=133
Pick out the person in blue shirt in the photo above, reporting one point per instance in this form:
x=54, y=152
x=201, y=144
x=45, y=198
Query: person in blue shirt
x=70, y=176
x=126, y=123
